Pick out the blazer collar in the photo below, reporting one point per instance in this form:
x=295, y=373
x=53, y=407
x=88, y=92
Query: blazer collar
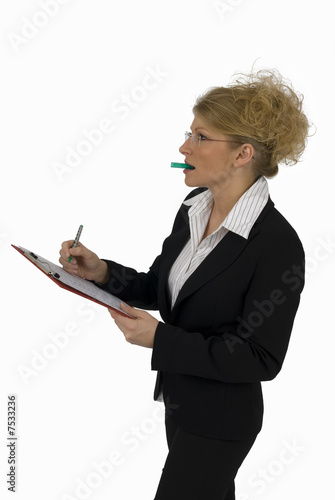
x=221, y=257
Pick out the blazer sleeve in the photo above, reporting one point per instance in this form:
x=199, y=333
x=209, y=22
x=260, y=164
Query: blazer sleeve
x=252, y=348
x=138, y=289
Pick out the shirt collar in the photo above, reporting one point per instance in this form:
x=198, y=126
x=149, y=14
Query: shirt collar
x=244, y=213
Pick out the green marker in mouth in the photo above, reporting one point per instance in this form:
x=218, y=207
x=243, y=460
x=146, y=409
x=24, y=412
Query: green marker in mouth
x=182, y=165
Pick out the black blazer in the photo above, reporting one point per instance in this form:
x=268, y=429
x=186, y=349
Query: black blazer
x=230, y=326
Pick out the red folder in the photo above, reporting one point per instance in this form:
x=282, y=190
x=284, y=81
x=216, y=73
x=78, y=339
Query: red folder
x=81, y=287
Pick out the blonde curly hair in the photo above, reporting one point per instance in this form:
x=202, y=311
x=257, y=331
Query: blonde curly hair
x=263, y=110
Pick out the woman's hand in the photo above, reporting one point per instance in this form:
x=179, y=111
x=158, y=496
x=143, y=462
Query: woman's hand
x=85, y=263
x=139, y=331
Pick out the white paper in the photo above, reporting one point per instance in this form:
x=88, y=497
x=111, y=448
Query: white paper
x=75, y=282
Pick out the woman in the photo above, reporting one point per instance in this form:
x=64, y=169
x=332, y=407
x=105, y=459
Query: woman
x=227, y=284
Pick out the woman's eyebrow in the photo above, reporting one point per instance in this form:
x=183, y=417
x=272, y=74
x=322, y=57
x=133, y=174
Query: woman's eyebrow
x=200, y=128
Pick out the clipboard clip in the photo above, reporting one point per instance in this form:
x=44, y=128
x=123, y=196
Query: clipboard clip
x=40, y=264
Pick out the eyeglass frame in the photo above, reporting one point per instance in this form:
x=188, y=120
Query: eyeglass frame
x=189, y=135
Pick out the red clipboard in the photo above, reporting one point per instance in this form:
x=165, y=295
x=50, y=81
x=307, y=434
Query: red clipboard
x=58, y=275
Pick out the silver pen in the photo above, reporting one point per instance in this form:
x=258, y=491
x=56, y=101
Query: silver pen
x=76, y=240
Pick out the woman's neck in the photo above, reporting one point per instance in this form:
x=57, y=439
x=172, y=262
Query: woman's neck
x=226, y=196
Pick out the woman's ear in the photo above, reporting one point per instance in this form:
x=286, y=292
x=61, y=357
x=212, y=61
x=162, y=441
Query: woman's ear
x=244, y=154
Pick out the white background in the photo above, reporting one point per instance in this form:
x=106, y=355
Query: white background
x=62, y=75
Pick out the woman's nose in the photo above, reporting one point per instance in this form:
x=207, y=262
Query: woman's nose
x=185, y=148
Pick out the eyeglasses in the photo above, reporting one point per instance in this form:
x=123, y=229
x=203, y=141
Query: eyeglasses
x=199, y=138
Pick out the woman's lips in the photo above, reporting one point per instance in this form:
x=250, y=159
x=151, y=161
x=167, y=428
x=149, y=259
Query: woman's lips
x=189, y=166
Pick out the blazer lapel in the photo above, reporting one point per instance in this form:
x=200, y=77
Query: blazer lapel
x=171, y=249
x=220, y=258
x=223, y=255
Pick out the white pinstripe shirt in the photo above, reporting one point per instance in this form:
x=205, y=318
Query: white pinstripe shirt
x=240, y=220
